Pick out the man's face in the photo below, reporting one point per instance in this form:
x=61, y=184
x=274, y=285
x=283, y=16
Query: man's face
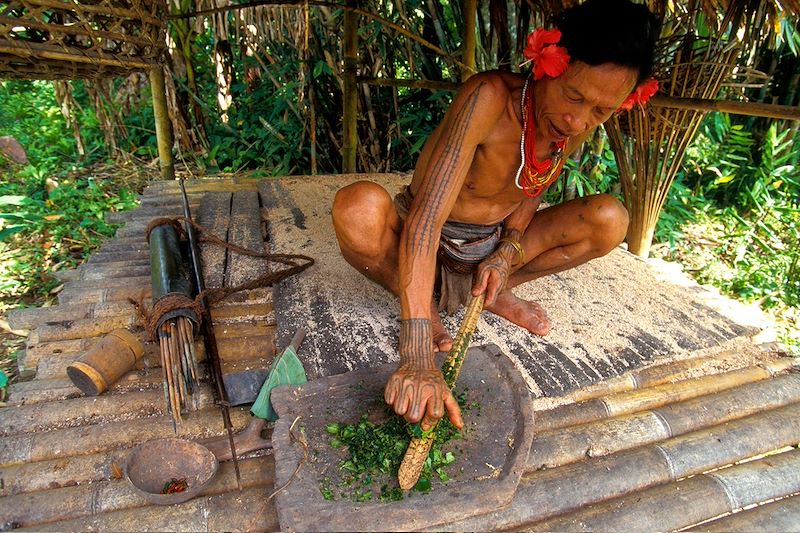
x=582, y=98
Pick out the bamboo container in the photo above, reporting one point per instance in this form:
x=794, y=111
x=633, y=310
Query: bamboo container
x=108, y=360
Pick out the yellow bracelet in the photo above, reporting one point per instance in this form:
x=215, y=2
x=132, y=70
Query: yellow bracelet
x=517, y=246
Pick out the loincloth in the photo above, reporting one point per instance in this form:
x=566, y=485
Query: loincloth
x=461, y=249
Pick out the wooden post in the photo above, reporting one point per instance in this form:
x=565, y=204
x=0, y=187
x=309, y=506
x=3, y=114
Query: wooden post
x=163, y=124
x=350, y=96
x=469, y=11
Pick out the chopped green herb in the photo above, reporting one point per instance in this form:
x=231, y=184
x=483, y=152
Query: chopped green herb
x=375, y=452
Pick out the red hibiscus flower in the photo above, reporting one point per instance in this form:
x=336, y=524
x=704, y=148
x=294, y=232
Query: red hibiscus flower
x=547, y=58
x=640, y=95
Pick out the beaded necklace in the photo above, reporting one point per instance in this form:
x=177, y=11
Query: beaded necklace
x=533, y=177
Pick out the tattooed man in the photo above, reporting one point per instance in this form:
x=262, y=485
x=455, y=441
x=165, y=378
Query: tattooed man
x=471, y=209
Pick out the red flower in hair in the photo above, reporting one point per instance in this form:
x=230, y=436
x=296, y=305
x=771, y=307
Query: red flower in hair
x=640, y=95
x=547, y=58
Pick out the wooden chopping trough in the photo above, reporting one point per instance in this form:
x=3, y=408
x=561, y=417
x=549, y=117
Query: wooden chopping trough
x=490, y=457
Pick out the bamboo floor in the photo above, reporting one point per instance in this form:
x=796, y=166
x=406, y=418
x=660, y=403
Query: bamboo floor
x=663, y=423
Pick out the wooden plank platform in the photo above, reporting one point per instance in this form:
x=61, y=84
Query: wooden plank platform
x=645, y=396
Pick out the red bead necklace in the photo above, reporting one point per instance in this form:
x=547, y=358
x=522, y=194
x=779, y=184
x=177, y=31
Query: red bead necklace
x=533, y=176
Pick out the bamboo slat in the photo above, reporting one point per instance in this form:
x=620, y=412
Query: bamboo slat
x=211, y=513
x=652, y=397
x=782, y=515
x=31, y=509
x=547, y=493
x=86, y=411
x=93, y=439
x=678, y=505
x=107, y=283
x=565, y=445
x=214, y=215
x=105, y=272
x=245, y=231
x=146, y=213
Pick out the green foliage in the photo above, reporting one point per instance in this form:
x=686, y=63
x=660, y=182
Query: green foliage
x=31, y=115
x=41, y=231
x=48, y=221
x=375, y=452
x=736, y=219
x=590, y=173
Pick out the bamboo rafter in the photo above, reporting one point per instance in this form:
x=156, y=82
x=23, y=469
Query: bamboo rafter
x=53, y=39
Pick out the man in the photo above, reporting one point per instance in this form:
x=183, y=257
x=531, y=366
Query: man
x=477, y=186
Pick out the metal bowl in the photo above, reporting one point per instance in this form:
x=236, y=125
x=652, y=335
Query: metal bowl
x=155, y=463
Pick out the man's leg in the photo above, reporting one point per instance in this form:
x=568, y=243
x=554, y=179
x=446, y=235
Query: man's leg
x=558, y=238
x=368, y=230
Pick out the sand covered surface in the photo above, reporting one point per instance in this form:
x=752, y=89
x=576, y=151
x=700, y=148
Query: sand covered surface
x=608, y=316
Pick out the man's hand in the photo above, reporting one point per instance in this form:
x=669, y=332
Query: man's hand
x=422, y=395
x=417, y=390
x=492, y=275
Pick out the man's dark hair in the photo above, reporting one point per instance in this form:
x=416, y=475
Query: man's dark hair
x=610, y=31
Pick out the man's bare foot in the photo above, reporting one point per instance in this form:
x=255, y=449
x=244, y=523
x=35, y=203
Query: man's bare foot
x=442, y=341
x=529, y=315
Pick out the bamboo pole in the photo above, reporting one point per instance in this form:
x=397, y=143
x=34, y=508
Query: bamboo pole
x=753, y=109
x=650, y=398
x=566, y=445
x=72, y=55
x=548, y=493
x=78, y=31
x=82, y=501
x=433, y=85
x=674, y=506
x=87, y=410
x=30, y=318
x=469, y=11
x=649, y=376
x=350, y=93
x=163, y=124
x=204, y=513
x=68, y=442
x=780, y=515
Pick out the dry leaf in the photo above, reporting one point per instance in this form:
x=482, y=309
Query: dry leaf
x=116, y=471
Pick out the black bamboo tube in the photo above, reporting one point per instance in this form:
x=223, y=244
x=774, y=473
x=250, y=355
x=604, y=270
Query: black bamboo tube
x=167, y=273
